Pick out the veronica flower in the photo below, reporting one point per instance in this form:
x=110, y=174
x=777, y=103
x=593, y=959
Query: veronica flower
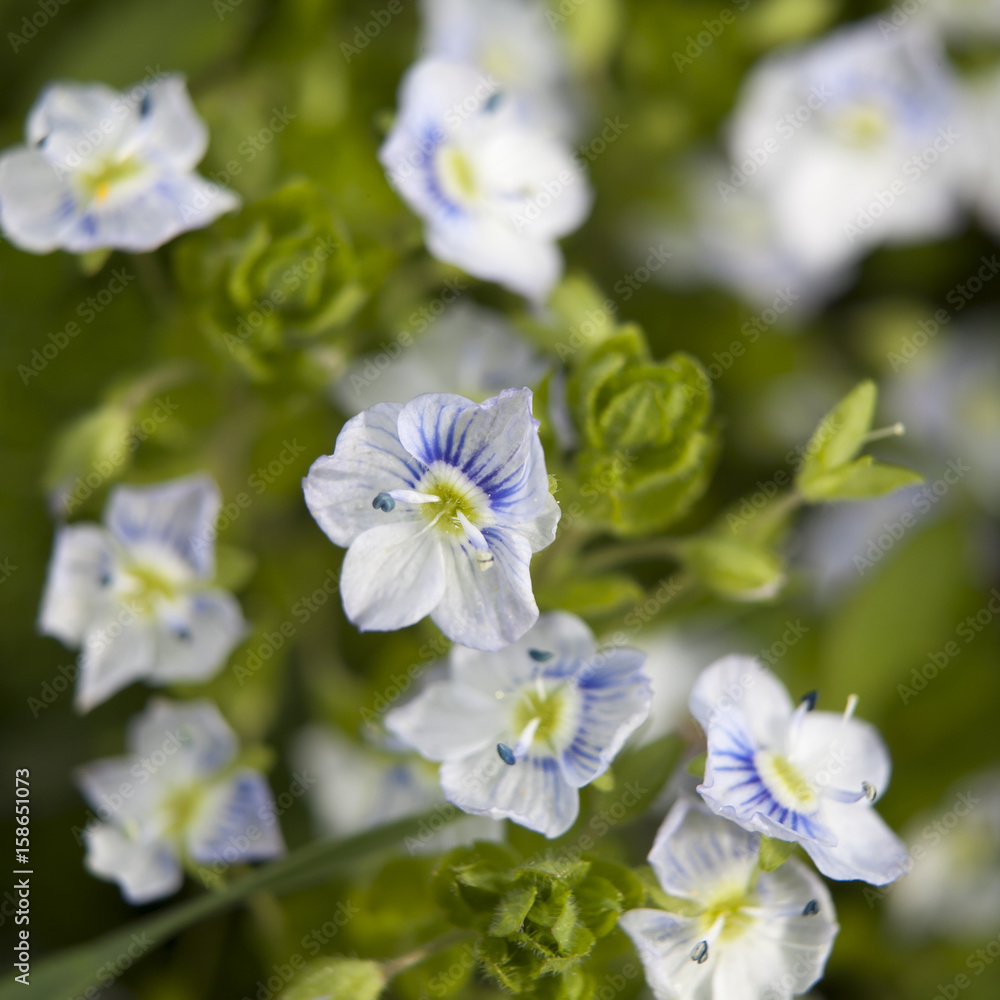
x=135, y=593
x=744, y=934
x=519, y=731
x=359, y=787
x=441, y=503
x=495, y=191
x=794, y=773
x=516, y=42
x=853, y=140
x=177, y=798
x=105, y=169
x=468, y=350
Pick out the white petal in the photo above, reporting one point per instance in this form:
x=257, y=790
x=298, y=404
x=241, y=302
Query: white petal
x=615, y=695
x=237, y=823
x=741, y=687
x=529, y=508
x=116, y=794
x=841, y=754
x=531, y=792
x=537, y=186
x=564, y=635
x=78, y=124
x=114, y=654
x=145, y=871
x=81, y=559
x=664, y=942
x=368, y=459
x=487, y=608
x=696, y=854
x=865, y=848
x=37, y=205
x=489, y=442
x=179, y=514
x=194, y=646
x=779, y=955
x=192, y=735
x=393, y=576
x=171, y=133
x=448, y=720
x=489, y=249
x=149, y=211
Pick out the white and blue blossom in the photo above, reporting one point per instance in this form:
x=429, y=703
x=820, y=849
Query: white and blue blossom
x=516, y=42
x=796, y=774
x=853, y=141
x=135, y=593
x=743, y=934
x=518, y=732
x=359, y=787
x=494, y=190
x=440, y=503
x=178, y=798
x=102, y=169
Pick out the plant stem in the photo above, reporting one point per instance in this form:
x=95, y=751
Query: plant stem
x=616, y=555
x=397, y=965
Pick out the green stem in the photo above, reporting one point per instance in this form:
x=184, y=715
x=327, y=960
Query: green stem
x=71, y=972
x=615, y=555
x=397, y=965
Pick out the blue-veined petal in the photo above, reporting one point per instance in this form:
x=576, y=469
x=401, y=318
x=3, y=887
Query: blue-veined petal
x=179, y=514
x=144, y=870
x=392, y=576
x=368, y=459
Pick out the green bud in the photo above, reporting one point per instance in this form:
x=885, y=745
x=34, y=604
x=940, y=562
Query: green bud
x=337, y=979
x=733, y=567
x=648, y=445
x=274, y=283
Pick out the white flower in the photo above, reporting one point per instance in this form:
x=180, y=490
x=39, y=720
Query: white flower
x=953, y=887
x=494, y=191
x=469, y=350
x=519, y=731
x=854, y=140
x=513, y=41
x=105, y=169
x=796, y=774
x=745, y=934
x=178, y=798
x=966, y=21
x=728, y=236
x=358, y=788
x=442, y=502
x=135, y=593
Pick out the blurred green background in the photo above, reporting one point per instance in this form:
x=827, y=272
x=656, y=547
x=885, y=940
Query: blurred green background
x=245, y=60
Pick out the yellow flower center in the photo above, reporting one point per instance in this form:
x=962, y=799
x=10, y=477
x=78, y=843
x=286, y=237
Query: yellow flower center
x=547, y=705
x=458, y=178
x=788, y=785
x=862, y=125
x=99, y=183
x=458, y=495
x=181, y=807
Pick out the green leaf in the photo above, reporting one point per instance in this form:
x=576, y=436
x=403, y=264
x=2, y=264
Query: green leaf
x=733, y=567
x=512, y=909
x=74, y=970
x=696, y=765
x=774, y=853
x=592, y=598
x=840, y=433
x=337, y=979
x=862, y=479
